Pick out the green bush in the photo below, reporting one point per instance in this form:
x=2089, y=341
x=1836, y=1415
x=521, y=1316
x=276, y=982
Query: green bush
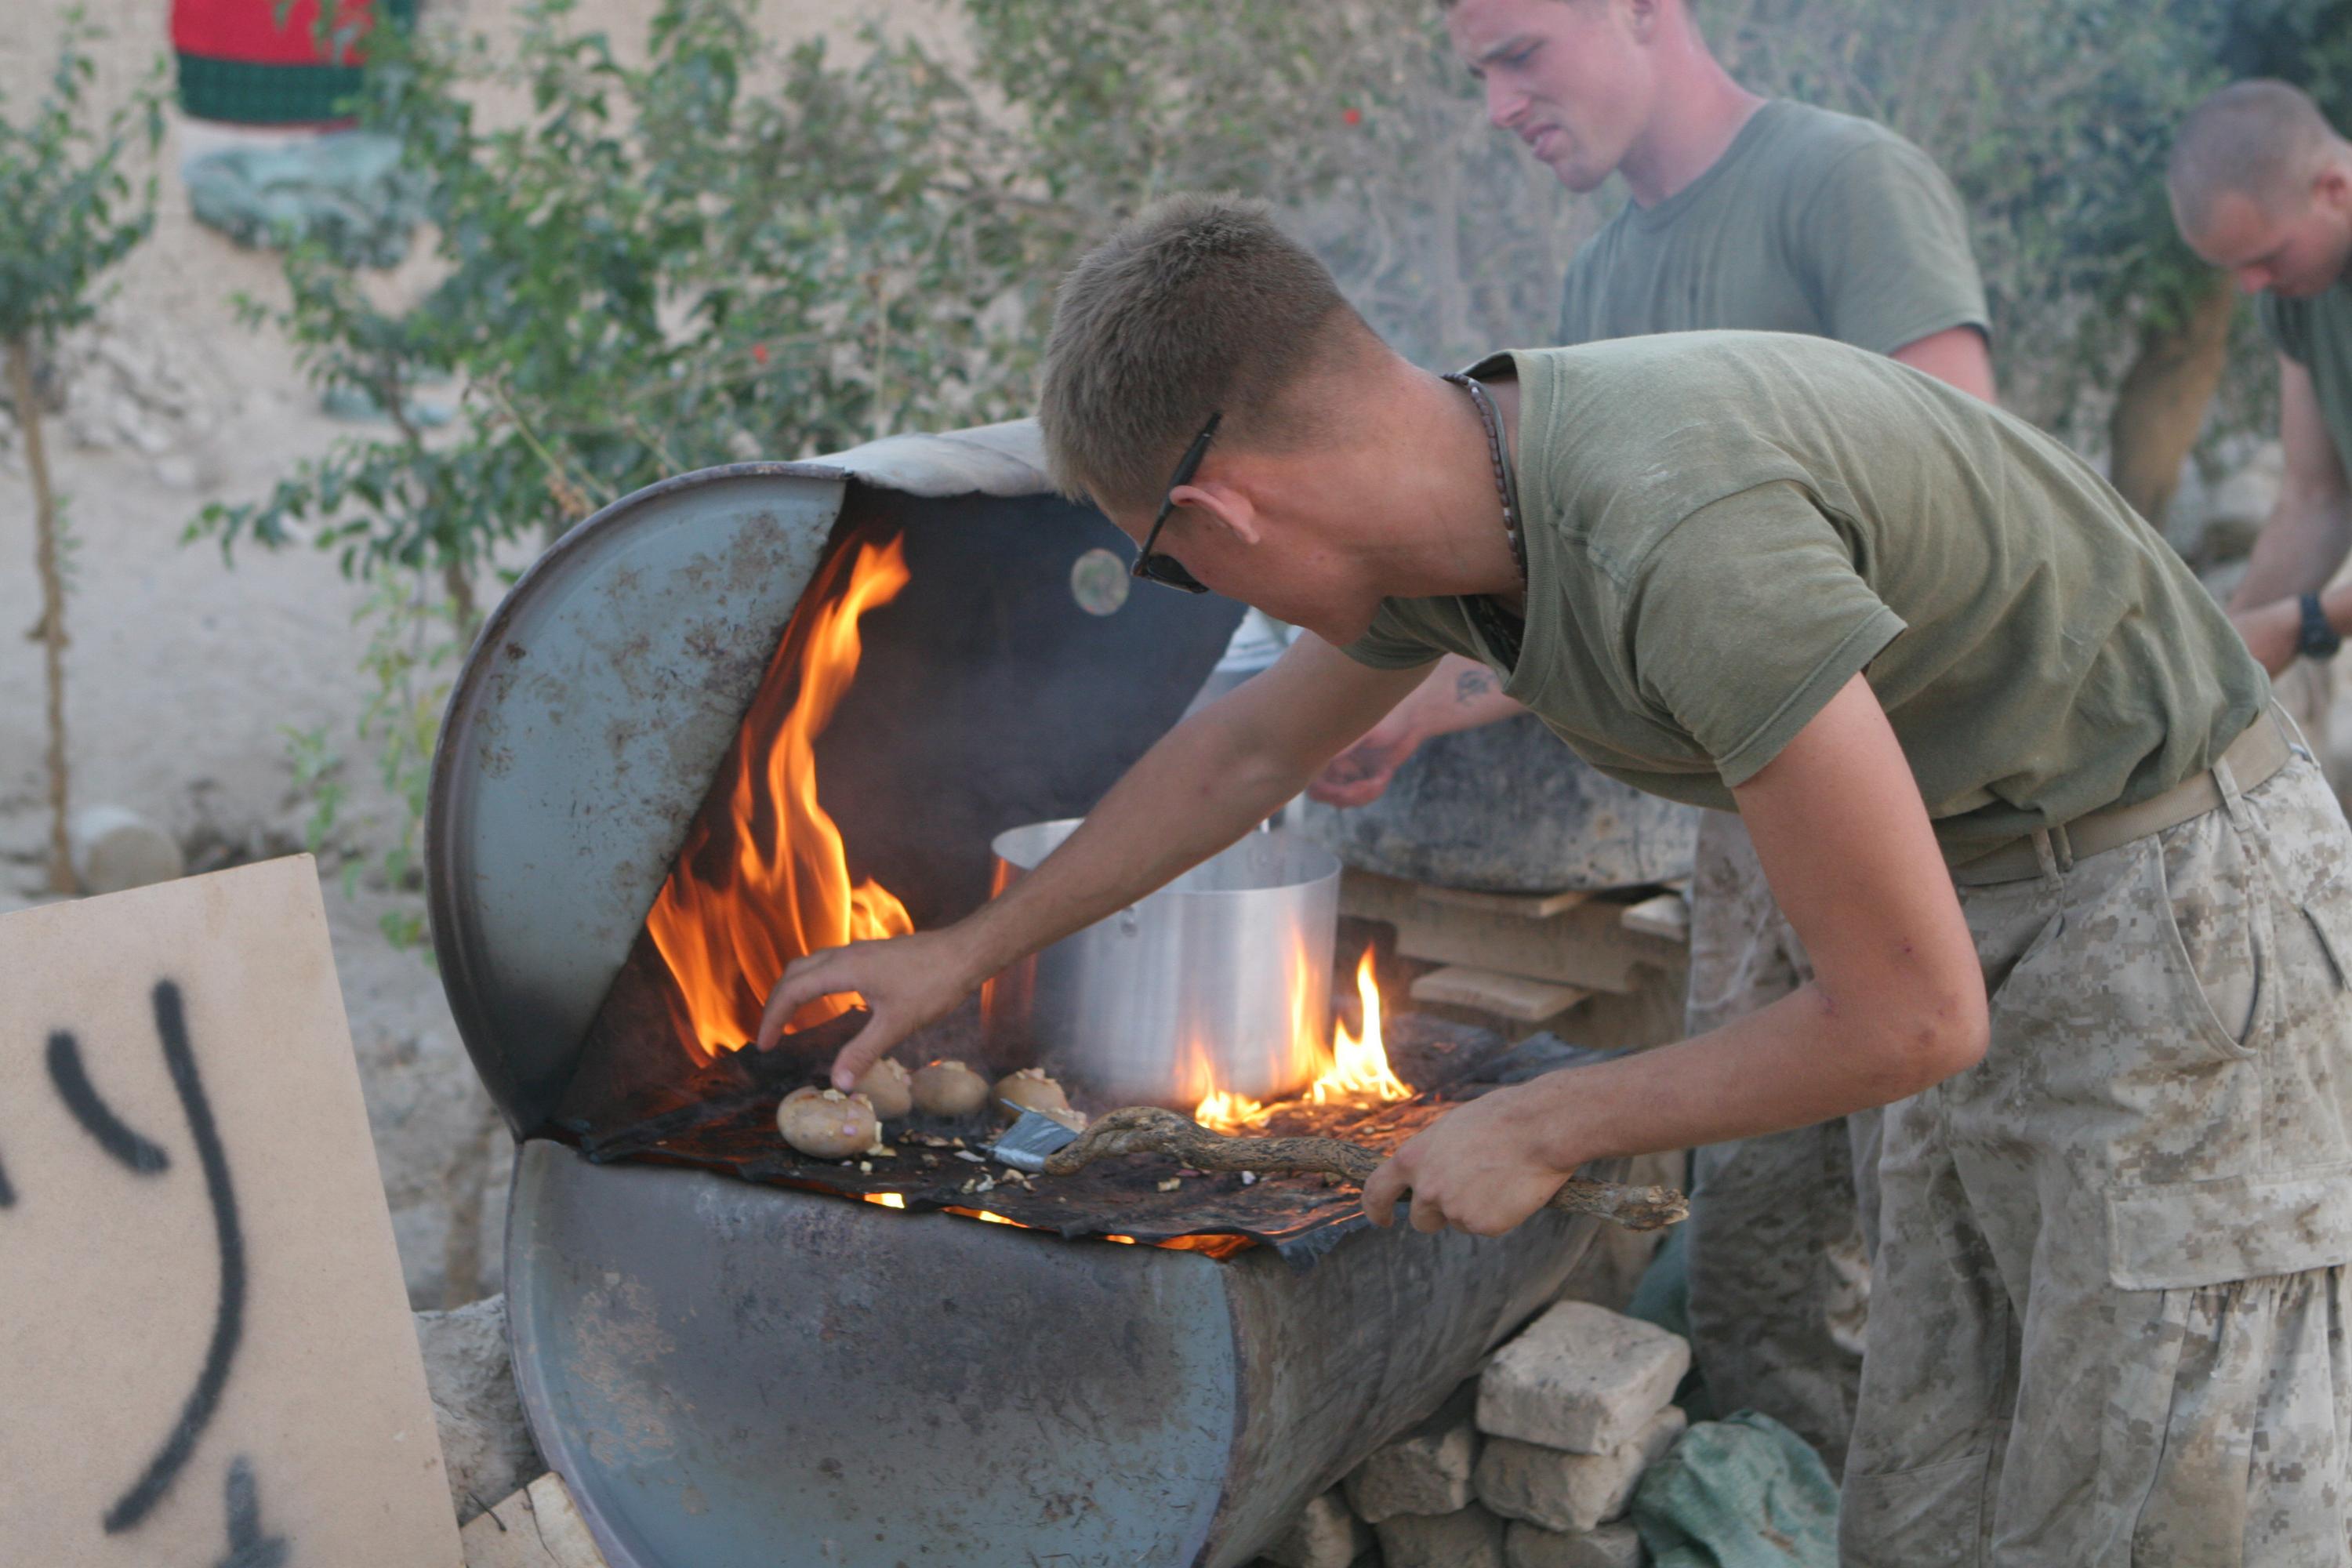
x=70, y=210
x=718, y=248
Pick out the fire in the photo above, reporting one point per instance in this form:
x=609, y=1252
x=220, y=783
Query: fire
x=1360, y=1067
x=888, y=1200
x=1352, y=1067
x=1227, y=1111
x=767, y=880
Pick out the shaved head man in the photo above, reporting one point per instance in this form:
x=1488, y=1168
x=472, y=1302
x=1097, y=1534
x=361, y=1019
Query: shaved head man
x=2262, y=186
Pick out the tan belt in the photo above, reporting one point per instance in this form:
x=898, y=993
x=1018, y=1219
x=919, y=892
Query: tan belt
x=2251, y=758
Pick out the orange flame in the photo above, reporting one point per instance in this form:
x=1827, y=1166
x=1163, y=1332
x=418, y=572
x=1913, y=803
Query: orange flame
x=1350, y=1068
x=768, y=881
x=1360, y=1067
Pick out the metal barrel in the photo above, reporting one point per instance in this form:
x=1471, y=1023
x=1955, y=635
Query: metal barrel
x=734, y=1376
x=1220, y=980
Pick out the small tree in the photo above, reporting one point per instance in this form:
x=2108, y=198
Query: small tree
x=68, y=212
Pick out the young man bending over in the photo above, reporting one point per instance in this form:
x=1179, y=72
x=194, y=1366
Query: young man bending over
x=2070, y=898
x=1776, y=217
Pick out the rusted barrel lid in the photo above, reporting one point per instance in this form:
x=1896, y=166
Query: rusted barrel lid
x=594, y=708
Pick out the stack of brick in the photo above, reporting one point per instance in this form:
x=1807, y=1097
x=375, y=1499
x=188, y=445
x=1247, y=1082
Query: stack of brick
x=1530, y=1464
x=1417, y=1494
x=1573, y=1410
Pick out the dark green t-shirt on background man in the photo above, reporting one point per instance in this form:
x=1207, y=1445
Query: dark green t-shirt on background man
x=2316, y=334
x=1810, y=222
x=1723, y=528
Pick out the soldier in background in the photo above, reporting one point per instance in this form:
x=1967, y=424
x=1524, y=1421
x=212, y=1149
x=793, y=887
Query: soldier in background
x=2262, y=186
x=1770, y=215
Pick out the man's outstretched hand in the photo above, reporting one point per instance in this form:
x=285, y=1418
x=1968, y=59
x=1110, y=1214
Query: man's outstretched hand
x=908, y=982
x=1482, y=1167
x=1457, y=694
x=1359, y=775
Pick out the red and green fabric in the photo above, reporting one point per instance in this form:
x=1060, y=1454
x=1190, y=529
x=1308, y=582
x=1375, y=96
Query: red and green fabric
x=241, y=60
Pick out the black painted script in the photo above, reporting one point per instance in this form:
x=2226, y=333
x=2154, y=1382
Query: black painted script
x=250, y=1545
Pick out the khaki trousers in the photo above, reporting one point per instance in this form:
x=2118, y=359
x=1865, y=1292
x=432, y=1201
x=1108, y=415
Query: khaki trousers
x=1778, y=1230
x=2109, y=1295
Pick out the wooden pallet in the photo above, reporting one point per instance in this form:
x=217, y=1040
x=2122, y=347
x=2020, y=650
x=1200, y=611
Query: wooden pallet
x=1504, y=995
x=1667, y=915
x=1577, y=940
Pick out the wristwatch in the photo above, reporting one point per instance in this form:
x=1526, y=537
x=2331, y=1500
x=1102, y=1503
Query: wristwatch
x=2318, y=639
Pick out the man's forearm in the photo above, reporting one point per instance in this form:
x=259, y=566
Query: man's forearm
x=1460, y=694
x=1195, y=791
x=1207, y=781
x=2274, y=632
x=2298, y=550
x=1787, y=1064
x=1897, y=1001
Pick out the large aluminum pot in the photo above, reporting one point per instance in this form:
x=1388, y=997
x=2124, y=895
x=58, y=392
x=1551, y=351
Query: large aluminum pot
x=1210, y=983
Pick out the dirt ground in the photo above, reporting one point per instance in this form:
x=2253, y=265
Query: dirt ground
x=185, y=675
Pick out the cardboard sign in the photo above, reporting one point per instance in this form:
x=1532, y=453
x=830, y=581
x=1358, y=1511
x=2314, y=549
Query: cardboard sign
x=206, y=1359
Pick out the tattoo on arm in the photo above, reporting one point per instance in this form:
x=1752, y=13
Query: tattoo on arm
x=1472, y=684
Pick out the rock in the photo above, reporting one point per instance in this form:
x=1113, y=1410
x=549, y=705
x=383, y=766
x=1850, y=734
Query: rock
x=1611, y=1546
x=467, y=1372
x=1508, y=809
x=115, y=849
x=1426, y=1471
x=536, y=1528
x=1581, y=1378
x=1571, y=1491
x=1324, y=1535
x=1469, y=1538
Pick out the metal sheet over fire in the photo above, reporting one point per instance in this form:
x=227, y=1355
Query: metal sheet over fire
x=722, y=1119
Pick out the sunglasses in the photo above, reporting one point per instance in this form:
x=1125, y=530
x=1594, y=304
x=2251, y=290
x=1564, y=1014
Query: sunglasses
x=1166, y=570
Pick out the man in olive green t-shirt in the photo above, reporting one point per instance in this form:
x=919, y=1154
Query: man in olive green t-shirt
x=2069, y=894
x=1774, y=216
x=2261, y=186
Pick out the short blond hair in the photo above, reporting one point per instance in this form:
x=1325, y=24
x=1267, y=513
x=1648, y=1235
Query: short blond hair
x=1199, y=305
x=2261, y=139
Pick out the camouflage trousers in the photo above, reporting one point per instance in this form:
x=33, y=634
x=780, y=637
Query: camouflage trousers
x=1778, y=1230
x=2108, y=1324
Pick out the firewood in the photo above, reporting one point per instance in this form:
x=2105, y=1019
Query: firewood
x=1149, y=1130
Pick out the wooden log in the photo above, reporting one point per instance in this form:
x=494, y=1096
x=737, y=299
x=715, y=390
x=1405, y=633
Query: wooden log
x=1668, y=916
x=1509, y=996
x=1525, y=906
x=1584, y=945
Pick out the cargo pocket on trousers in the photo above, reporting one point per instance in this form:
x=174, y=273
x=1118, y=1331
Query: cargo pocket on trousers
x=2217, y=933
x=1935, y=1513
x=2332, y=923
x=2177, y=1235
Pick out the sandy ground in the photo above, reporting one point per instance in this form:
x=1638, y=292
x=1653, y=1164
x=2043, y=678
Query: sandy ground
x=183, y=675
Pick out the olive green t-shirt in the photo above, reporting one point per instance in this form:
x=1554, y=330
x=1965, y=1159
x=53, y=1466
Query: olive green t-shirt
x=2316, y=334
x=1723, y=528
x=1810, y=222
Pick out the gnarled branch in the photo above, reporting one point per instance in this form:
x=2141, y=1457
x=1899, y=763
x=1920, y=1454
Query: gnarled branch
x=1149, y=1130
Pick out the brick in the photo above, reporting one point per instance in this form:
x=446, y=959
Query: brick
x=1581, y=1378
x=1611, y=1546
x=1427, y=1470
x=1571, y=1491
x=1467, y=1537
x=1324, y=1535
